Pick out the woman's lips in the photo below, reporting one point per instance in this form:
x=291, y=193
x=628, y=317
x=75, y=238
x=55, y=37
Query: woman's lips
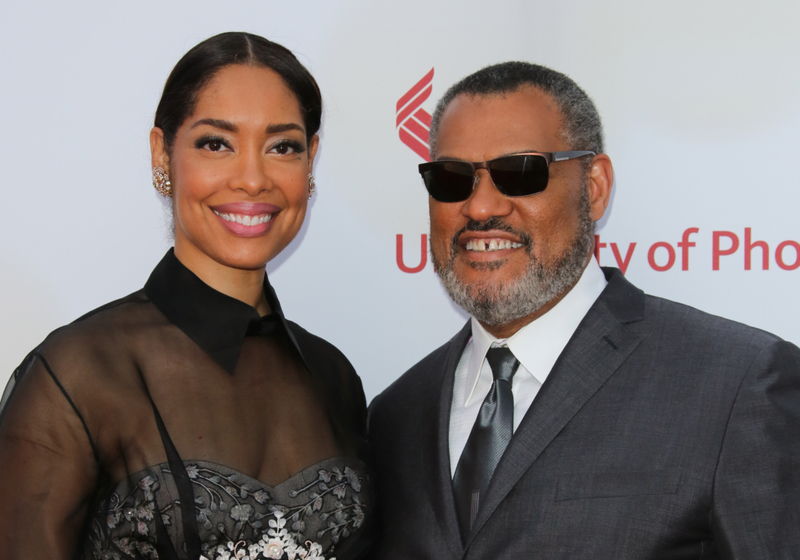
x=249, y=208
x=246, y=219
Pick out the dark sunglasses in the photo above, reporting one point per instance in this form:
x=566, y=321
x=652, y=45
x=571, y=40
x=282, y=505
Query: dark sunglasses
x=514, y=175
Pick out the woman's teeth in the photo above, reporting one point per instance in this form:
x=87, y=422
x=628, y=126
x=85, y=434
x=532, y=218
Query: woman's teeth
x=245, y=219
x=492, y=245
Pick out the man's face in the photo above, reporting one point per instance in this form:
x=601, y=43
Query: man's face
x=550, y=233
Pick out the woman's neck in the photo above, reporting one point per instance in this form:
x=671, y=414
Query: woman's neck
x=246, y=285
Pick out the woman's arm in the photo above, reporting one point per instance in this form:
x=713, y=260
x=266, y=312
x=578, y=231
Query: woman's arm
x=48, y=468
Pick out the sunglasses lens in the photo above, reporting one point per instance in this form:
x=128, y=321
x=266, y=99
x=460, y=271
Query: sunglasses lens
x=519, y=175
x=448, y=181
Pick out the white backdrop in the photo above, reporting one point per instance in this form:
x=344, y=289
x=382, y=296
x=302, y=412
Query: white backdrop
x=699, y=101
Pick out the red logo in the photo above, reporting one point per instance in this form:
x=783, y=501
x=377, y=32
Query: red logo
x=414, y=128
x=414, y=122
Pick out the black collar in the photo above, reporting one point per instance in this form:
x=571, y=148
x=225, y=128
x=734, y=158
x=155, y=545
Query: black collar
x=217, y=323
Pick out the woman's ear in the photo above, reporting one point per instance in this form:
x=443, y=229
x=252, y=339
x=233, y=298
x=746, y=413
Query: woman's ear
x=158, y=151
x=313, y=145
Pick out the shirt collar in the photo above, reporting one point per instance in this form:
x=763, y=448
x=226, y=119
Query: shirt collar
x=538, y=344
x=217, y=323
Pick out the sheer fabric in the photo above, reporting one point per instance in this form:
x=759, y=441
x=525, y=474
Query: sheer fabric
x=176, y=420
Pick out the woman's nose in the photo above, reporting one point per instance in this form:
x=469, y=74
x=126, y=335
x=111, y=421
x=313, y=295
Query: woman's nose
x=251, y=173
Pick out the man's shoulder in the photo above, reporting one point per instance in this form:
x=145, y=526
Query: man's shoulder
x=673, y=320
x=681, y=338
x=682, y=321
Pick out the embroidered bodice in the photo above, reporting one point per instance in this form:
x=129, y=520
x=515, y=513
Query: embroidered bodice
x=323, y=504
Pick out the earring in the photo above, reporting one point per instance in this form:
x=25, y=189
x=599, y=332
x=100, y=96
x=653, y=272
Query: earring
x=161, y=182
x=311, y=185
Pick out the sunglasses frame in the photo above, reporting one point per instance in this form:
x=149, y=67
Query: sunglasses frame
x=549, y=157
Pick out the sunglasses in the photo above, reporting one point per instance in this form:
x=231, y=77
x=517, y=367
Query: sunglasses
x=514, y=175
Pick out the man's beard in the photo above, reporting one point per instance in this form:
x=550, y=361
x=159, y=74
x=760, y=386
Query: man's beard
x=497, y=303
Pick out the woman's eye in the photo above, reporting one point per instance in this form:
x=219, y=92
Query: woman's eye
x=287, y=147
x=212, y=144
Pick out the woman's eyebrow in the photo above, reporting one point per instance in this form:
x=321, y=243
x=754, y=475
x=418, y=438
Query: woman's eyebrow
x=231, y=127
x=217, y=123
x=283, y=127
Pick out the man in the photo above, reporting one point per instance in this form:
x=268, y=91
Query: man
x=573, y=416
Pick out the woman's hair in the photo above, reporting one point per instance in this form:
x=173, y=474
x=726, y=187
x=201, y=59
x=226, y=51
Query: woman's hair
x=199, y=66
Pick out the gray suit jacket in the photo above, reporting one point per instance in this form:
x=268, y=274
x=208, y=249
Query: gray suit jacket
x=661, y=432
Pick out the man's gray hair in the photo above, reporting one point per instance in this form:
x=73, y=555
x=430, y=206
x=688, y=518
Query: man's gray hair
x=581, y=130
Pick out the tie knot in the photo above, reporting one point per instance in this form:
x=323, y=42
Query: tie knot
x=503, y=363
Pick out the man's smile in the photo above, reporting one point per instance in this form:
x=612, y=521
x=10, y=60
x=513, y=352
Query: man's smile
x=491, y=244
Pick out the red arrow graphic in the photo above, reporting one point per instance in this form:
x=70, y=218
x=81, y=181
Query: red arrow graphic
x=414, y=122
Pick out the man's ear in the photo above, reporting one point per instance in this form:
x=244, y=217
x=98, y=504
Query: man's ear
x=158, y=151
x=601, y=178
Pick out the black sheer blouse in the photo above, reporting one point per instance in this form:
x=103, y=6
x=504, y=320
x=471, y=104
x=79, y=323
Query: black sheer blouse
x=177, y=423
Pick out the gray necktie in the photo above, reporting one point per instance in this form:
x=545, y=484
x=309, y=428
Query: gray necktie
x=487, y=441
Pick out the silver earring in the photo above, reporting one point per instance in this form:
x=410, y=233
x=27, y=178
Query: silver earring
x=311, y=185
x=161, y=182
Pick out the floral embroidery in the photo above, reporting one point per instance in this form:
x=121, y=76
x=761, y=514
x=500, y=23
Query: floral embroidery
x=276, y=543
x=304, y=517
x=131, y=516
x=339, y=518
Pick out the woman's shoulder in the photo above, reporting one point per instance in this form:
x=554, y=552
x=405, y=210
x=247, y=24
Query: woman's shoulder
x=101, y=325
x=114, y=308
x=98, y=339
x=82, y=359
x=325, y=359
x=313, y=344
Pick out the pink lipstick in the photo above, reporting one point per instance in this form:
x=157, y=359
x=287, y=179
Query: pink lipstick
x=246, y=219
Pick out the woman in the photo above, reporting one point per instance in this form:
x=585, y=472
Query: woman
x=190, y=419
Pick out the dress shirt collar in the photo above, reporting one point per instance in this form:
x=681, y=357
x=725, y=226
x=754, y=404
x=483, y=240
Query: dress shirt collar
x=217, y=323
x=538, y=344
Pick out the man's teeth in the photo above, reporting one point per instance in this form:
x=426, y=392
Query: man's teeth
x=492, y=245
x=245, y=219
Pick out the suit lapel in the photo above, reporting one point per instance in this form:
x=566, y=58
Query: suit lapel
x=436, y=446
x=598, y=348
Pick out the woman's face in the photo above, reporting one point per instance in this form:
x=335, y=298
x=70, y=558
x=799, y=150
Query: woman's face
x=239, y=171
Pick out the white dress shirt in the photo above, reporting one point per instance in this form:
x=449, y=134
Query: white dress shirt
x=537, y=346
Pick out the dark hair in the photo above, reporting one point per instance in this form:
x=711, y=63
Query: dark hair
x=581, y=129
x=199, y=66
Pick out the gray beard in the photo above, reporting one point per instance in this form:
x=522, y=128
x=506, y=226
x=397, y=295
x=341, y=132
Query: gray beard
x=500, y=304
